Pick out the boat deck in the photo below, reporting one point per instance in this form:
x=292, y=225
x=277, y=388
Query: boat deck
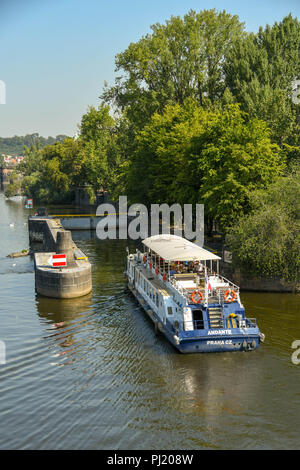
x=186, y=283
x=157, y=283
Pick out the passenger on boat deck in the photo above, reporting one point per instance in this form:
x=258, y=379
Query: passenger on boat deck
x=172, y=272
x=198, y=267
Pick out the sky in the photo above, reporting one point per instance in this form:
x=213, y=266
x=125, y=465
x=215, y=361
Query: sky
x=57, y=54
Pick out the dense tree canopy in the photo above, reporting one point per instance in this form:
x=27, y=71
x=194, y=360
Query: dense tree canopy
x=54, y=172
x=180, y=59
x=193, y=155
x=266, y=243
x=260, y=70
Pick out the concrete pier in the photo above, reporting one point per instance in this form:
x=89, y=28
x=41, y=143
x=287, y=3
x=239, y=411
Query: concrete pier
x=90, y=221
x=73, y=280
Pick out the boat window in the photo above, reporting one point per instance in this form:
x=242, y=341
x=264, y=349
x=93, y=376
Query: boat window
x=170, y=311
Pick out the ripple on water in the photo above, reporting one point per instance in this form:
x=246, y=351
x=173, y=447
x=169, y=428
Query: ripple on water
x=91, y=373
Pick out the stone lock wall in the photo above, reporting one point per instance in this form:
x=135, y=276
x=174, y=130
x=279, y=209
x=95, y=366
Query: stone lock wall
x=74, y=280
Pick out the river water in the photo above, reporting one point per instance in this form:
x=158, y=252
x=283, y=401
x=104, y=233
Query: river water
x=91, y=373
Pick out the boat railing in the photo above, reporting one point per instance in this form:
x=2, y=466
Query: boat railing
x=251, y=322
x=217, y=293
x=184, y=325
x=231, y=284
x=191, y=325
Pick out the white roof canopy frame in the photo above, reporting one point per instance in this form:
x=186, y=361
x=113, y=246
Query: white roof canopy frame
x=175, y=248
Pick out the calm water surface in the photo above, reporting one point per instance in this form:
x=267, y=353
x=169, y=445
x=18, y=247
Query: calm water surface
x=103, y=380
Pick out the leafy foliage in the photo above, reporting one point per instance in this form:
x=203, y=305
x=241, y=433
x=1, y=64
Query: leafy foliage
x=192, y=155
x=180, y=59
x=267, y=242
x=14, y=185
x=259, y=72
x=52, y=173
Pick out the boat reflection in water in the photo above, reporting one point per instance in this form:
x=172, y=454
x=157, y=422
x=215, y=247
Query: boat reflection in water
x=67, y=321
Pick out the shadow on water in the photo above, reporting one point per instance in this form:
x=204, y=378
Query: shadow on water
x=66, y=321
x=57, y=311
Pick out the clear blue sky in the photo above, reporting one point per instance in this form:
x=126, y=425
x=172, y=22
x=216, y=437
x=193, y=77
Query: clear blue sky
x=56, y=54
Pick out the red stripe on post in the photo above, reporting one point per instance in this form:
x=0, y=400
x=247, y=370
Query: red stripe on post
x=58, y=256
x=55, y=265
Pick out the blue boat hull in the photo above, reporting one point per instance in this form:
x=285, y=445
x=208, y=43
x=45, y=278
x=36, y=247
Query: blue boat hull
x=218, y=344
x=204, y=341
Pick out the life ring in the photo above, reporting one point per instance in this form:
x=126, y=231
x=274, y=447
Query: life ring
x=156, y=270
x=199, y=294
x=230, y=295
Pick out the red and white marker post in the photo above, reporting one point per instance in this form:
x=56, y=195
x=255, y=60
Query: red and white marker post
x=57, y=261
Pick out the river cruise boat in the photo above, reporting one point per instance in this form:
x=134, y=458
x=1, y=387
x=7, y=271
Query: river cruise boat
x=179, y=286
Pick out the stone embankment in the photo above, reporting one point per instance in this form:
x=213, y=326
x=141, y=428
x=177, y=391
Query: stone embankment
x=72, y=280
x=257, y=284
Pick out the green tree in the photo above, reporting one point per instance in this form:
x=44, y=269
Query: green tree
x=12, y=189
x=180, y=59
x=266, y=243
x=192, y=155
x=259, y=71
x=99, y=149
x=233, y=156
x=52, y=173
x=15, y=145
x=14, y=185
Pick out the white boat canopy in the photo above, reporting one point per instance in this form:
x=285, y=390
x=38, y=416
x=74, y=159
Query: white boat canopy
x=174, y=248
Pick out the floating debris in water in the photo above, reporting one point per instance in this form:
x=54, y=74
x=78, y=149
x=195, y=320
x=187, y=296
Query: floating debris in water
x=17, y=254
x=59, y=325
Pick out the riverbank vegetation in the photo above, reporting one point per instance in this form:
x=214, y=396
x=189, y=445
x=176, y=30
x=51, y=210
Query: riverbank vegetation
x=14, y=146
x=201, y=112
x=266, y=243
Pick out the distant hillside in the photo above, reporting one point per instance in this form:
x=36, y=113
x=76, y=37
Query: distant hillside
x=15, y=145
